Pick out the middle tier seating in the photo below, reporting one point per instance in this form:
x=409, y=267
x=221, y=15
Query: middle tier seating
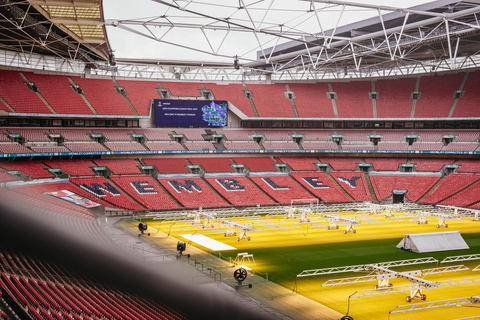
x=300, y=163
x=168, y=165
x=432, y=165
x=256, y=163
x=33, y=169
x=119, y=166
x=101, y=188
x=348, y=164
x=213, y=164
x=73, y=167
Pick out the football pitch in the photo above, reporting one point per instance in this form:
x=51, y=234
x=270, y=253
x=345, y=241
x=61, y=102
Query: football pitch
x=283, y=248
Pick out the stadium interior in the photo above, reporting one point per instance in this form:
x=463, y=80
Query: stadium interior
x=112, y=167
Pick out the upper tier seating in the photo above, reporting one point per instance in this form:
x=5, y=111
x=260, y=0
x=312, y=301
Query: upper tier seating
x=468, y=166
x=341, y=163
x=311, y=100
x=239, y=191
x=192, y=193
x=450, y=185
x=269, y=99
x=282, y=189
x=467, y=106
x=300, y=163
x=431, y=165
x=320, y=184
x=352, y=99
x=146, y=191
x=353, y=183
x=60, y=96
x=33, y=169
x=437, y=95
x=183, y=89
x=168, y=165
x=72, y=167
x=14, y=91
x=415, y=185
x=119, y=166
x=394, y=100
x=100, y=188
x=103, y=97
x=73, y=134
x=465, y=198
x=140, y=94
x=213, y=164
x=256, y=163
x=234, y=94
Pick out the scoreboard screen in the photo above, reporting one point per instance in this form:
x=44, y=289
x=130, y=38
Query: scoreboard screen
x=190, y=113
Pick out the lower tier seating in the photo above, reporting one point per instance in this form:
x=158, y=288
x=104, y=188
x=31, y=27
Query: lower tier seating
x=414, y=185
x=320, y=184
x=239, y=191
x=450, y=185
x=281, y=188
x=192, y=193
x=353, y=183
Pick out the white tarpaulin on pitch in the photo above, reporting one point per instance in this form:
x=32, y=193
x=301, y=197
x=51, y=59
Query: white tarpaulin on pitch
x=432, y=242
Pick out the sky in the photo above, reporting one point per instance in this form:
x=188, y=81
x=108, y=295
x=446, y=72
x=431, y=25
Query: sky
x=214, y=43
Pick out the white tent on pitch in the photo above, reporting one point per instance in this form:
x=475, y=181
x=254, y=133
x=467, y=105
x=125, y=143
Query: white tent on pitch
x=432, y=242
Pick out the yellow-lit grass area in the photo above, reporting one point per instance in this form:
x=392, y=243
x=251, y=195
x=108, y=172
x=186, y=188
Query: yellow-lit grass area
x=284, y=253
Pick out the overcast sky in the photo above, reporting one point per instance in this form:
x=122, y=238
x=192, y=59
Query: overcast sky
x=195, y=44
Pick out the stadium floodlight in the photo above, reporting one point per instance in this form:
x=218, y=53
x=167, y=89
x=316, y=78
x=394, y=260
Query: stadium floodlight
x=142, y=227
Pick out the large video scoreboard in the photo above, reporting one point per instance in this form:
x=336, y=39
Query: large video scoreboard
x=190, y=113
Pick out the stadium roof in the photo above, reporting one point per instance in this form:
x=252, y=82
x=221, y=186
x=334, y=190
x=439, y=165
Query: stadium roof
x=277, y=39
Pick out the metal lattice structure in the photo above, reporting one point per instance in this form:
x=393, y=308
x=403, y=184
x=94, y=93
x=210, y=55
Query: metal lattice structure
x=241, y=40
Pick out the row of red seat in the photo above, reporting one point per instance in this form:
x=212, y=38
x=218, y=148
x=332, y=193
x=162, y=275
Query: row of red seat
x=311, y=100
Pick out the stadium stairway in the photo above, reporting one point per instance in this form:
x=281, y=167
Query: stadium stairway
x=431, y=189
x=370, y=187
x=462, y=190
x=292, y=101
x=39, y=95
x=83, y=97
x=340, y=187
x=121, y=90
